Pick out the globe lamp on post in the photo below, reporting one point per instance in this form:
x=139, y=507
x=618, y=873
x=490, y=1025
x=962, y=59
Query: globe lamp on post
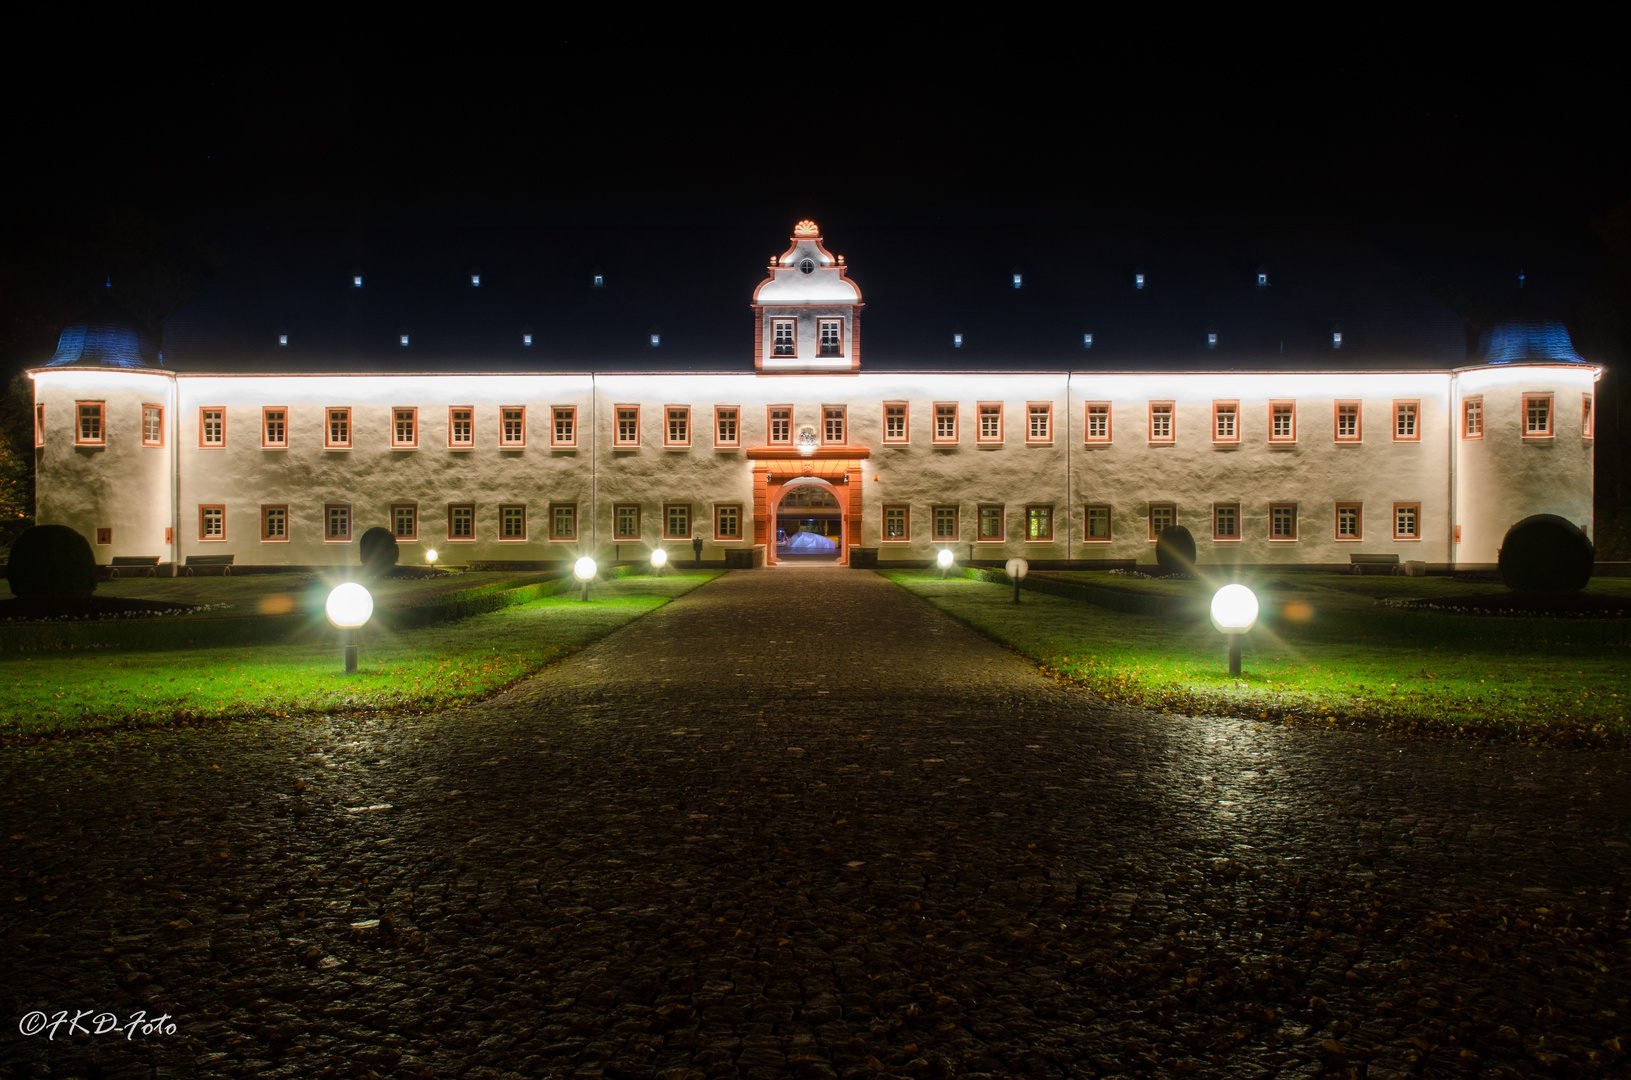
x=1017, y=569
x=430, y=558
x=659, y=559
x=944, y=560
x=583, y=570
x=1234, y=611
x=348, y=607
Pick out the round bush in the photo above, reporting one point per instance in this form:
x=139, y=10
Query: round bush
x=1175, y=550
x=378, y=551
x=51, y=562
x=1547, y=554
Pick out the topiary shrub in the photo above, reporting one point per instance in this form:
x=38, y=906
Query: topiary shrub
x=51, y=562
x=378, y=548
x=1175, y=550
x=1546, y=553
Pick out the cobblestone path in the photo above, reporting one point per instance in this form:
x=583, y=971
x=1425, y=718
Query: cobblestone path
x=800, y=824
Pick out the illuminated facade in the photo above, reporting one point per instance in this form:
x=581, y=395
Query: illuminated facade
x=1304, y=467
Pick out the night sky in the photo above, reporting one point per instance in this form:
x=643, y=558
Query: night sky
x=1463, y=163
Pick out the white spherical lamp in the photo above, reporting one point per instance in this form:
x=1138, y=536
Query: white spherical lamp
x=1017, y=569
x=1234, y=611
x=659, y=558
x=349, y=606
x=430, y=557
x=944, y=559
x=584, y=568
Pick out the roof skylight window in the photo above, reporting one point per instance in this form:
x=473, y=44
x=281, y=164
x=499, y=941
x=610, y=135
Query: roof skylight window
x=656, y=340
x=475, y=279
x=404, y=338
x=526, y=339
x=356, y=281
x=1336, y=339
x=600, y=281
x=1138, y=281
x=1087, y=341
x=1211, y=341
x=283, y=339
x=1262, y=279
x=1018, y=279
x=957, y=341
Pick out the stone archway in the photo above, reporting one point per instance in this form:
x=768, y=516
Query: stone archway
x=776, y=470
x=810, y=500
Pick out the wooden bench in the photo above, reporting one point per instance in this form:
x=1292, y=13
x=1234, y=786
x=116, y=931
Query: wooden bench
x=209, y=562
x=134, y=565
x=1361, y=562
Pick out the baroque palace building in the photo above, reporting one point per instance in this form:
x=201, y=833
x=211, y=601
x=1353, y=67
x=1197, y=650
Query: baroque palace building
x=811, y=450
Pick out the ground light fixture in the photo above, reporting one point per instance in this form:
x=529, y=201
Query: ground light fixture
x=659, y=559
x=944, y=560
x=348, y=607
x=430, y=557
x=1017, y=569
x=583, y=570
x=1234, y=611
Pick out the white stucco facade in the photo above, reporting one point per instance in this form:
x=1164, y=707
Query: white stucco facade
x=1263, y=468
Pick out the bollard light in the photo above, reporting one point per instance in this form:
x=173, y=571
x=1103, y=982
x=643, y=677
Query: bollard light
x=583, y=570
x=1234, y=611
x=944, y=560
x=659, y=559
x=348, y=607
x=1017, y=569
x=430, y=557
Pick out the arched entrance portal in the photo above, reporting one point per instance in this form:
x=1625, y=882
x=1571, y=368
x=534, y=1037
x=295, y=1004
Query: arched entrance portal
x=809, y=521
x=778, y=472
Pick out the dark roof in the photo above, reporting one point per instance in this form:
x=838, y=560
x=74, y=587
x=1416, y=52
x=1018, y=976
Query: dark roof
x=107, y=337
x=692, y=286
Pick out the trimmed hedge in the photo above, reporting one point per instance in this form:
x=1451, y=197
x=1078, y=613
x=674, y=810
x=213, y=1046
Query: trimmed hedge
x=51, y=562
x=1133, y=603
x=1545, y=553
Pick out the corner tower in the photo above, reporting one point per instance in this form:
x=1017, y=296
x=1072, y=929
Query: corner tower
x=807, y=312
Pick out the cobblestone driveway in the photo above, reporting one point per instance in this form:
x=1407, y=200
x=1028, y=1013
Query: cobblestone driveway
x=799, y=823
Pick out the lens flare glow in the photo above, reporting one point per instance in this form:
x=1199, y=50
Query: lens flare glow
x=659, y=558
x=430, y=556
x=349, y=606
x=1234, y=609
x=584, y=568
x=944, y=558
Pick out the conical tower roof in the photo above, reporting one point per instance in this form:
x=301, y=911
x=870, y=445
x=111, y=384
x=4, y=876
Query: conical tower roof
x=107, y=337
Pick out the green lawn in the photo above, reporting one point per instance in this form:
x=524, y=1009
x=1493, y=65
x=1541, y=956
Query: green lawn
x=433, y=667
x=1328, y=653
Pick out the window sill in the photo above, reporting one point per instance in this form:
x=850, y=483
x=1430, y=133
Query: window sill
x=1538, y=438
x=274, y=539
x=1282, y=444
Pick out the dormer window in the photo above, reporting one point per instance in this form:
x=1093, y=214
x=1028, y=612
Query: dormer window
x=1138, y=281
x=656, y=339
x=957, y=341
x=1336, y=339
x=1019, y=279
x=356, y=281
x=1262, y=280
x=475, y=279
x=526, y=339
x=807, y=266
x=404, y=338
x=831, y=338
x=600, y=281
x=283, y=339
x=1211, y=341
x=1087, y=341
x=782, y=341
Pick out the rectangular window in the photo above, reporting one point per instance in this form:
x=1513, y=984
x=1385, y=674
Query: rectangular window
x=1407, y=521
x=104, y=536
x=1405, y=416
x=990, y=423
x=1225, y=421
x=726, y=432
x=1098, y=421
x=1350, y=523
x=39, y=425
x=1039, y=422
x=1282, y=421
x=677, y=521
x=832, y=425
x=336, y=523
x=628, y=425
x=1039, y=523
x=275, y=427
x=274, y=522
x=512, y=522
x=405, y=521
x=152, y=425
x=677, y=431
x=626, y=521
x=1282, y=521
x=1098, y=523
x=1472, y=418
x=992, y=525
x=1347, y=421
x=1537, y=416
x=512, y=425
x=563, y=521
x=404, y=428
x=831, y=342
x=781, y=424
x=782, y=337
x=91, y=429
x=1226, y=521
x=1161, y=427
x=894, y=423
x=945, y=523
x=1162, y=516
x=212, y=427
x=461, y=427
x=461, y=522
x=1586, y=418
x=895, y=520
x=565, y=431
x=212, y=523
x=945, y=423
x=728, y=522
x=338, y=435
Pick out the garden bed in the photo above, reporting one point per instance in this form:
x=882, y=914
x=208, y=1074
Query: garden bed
x=1524, y=605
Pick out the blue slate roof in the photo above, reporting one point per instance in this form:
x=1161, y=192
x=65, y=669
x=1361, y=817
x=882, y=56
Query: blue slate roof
x=1513, y=340
x=692, y=287
x=105, y=338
